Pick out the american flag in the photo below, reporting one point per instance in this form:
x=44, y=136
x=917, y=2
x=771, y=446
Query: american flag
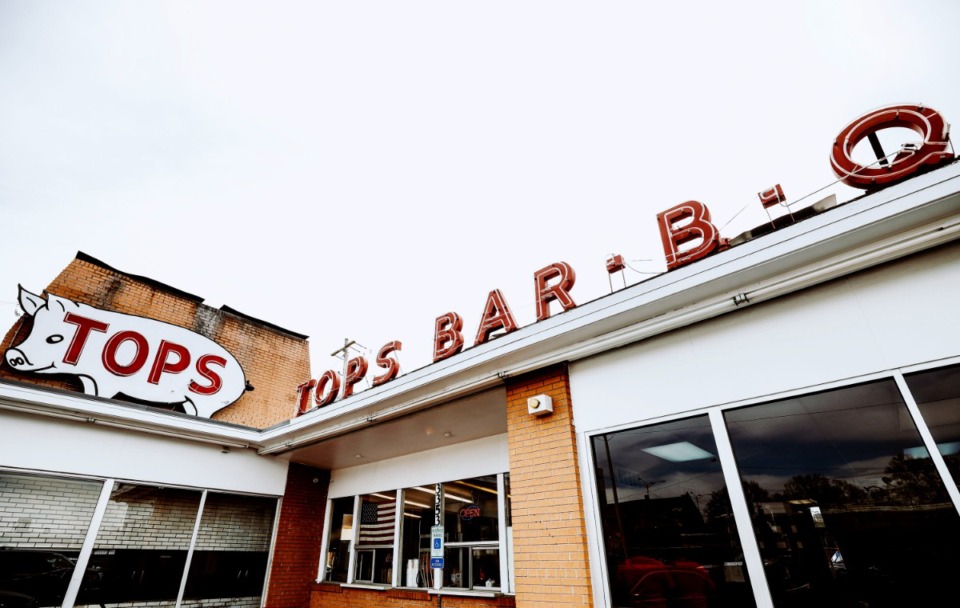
x=376, y=523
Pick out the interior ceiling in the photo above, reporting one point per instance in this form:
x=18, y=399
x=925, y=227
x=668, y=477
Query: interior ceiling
x=473, y=417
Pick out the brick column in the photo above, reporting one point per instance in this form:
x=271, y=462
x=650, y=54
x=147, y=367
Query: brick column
x=549, y=536
x=296, y=555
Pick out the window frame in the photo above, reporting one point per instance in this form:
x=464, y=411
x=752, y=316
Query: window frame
x=501, y=545
x=753, y=561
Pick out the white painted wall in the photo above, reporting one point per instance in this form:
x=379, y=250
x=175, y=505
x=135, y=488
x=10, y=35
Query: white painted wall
x=38, y=443
x=896, y=315
x=486, y=456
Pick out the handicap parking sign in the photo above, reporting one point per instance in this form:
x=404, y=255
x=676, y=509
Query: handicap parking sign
x=436, y=544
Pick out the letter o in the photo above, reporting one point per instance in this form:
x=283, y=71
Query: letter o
x=110, y=353
x=322, y=396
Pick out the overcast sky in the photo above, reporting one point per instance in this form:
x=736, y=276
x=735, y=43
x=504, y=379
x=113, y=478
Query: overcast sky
x=356, y=169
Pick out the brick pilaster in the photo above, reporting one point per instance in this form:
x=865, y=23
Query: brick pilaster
x=551, y=564
x=296, y=555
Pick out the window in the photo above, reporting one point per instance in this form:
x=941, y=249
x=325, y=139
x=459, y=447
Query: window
x=937, y=393
x=340, y=535
x=847, y=507
x=469, y=511
x=668, y=529
x=141, y=547
x=230, y=556
x=471, y=530
x=43, y=522
x=415, y=536
x=378, y=518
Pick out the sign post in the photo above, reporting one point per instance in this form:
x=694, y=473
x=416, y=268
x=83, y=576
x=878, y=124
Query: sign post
x=436, y=542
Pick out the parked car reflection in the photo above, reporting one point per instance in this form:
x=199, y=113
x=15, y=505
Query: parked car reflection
x=40, y=576
x=657, y=584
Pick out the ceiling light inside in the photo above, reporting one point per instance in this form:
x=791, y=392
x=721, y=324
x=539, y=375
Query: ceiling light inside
x=682, y=451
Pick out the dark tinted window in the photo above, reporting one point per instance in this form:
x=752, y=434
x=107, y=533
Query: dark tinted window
x=847, y=507
x=937, y=393
x=668, y=528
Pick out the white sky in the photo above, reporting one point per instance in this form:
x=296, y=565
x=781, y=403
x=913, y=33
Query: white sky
x=356, y=169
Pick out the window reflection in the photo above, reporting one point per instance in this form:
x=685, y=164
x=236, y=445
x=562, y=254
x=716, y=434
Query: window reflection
x=338, y=546
x=937, y=393
x=846, y=511
x=142, y=544
x=230, y=556
x=43, y=522
x=415, y=539
x=669, y=533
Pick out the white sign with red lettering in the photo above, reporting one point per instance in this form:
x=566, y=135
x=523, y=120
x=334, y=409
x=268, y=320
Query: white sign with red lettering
x=113, y=353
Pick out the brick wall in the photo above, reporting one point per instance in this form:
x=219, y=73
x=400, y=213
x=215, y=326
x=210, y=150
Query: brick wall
x=296, y=554
x=551, y=566
x=274, y=361
x=229, y=602
x=38, y=512
x=335, y=596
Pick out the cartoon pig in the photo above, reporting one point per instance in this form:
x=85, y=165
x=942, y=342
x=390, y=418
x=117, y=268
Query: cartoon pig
x=113, y=353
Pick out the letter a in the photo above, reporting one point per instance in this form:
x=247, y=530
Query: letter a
x=496, y=315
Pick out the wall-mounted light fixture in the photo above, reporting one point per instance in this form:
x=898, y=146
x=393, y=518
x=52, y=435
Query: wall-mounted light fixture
x=539, y=405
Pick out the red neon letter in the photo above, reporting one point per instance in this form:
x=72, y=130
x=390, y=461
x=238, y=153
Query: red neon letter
x=303, y=396
x=559, y=291
x=84, y=327
x=911, y=158
x=203, y=368
x=447, y=339
x=699, y=227
x=496, y=315
x=161, y=364
x=356, y=370
x=384, y=360
x=772, y=197
x=329, y=377
x=109, y=356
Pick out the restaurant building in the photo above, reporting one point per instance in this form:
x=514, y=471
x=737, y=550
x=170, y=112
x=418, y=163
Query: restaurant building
x=775, y=421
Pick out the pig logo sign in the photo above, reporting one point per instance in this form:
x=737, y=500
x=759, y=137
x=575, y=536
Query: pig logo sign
x=113, y=353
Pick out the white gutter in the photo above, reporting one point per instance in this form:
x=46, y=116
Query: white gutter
x=83, y=408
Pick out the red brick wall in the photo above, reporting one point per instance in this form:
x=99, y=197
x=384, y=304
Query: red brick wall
x=273, y=361
x=551, y=566
x=335, y=596
x=296, y=554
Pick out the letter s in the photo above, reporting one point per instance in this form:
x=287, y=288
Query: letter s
x=203, y=368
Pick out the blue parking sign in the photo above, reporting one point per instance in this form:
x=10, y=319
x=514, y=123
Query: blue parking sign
x=436, y=562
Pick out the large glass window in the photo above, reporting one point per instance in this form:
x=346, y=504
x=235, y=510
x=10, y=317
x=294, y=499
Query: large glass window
x=230, y=556
x=340, y=536
x=471, y=529
x=415, y=540
x=669, y=533
x=846, y=505
x=937, y=393
x=142, y=544
x=469, y=512
x=43, y=522
x=378, y=518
